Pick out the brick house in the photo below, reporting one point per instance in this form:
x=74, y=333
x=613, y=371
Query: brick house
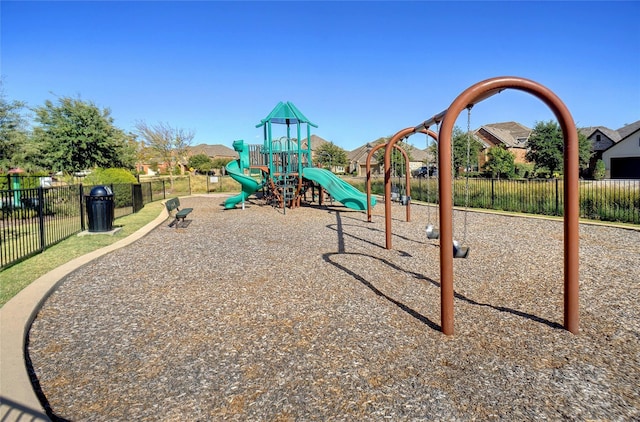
x=512, y=136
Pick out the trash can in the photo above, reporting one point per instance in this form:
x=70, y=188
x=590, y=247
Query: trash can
x=100, y=207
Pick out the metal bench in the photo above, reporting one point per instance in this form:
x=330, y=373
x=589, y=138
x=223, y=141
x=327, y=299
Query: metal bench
x=174, y=204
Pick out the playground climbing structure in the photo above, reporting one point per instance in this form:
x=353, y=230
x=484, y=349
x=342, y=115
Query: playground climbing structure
x=282, y=166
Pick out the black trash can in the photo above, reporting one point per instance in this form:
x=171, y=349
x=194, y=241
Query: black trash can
x=100, y=208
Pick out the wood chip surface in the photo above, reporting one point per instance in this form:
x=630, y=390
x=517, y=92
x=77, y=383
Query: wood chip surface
x=303, y=315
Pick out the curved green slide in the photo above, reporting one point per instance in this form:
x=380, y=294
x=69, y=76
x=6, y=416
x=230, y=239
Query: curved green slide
x=248, y=183
x=340, y=190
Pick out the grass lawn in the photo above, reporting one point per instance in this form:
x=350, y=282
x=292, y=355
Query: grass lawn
x=17, y=277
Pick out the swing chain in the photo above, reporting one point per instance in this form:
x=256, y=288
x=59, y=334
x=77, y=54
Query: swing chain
x=467, y=169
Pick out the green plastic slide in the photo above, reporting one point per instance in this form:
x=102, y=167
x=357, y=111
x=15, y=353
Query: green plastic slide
x=340, y=190
x=248, y=183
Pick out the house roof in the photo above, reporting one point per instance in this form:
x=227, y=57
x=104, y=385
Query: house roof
x=360, y=154
x=216, y=150
x=420, y=155
x=316, y=142
x=615, y=135
x=629, y=129
x=512, y=134
x=609, y=133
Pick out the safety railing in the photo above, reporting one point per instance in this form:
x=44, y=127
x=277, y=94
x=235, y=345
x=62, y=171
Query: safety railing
x=605, y=200
x=34, y=219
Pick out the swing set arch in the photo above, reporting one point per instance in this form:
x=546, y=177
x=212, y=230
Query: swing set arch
x=400, y=135
x=387, y=177
x=468, y=98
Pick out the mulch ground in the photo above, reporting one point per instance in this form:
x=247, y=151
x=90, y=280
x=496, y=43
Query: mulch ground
x=258, y=314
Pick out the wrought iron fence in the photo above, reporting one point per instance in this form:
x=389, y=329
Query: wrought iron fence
x=605, y=200
x=34, y=219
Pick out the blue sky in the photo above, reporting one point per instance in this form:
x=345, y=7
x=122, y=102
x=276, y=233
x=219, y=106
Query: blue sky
x=359, y=70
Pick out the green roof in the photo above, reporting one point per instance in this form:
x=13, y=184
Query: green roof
x=285, y=113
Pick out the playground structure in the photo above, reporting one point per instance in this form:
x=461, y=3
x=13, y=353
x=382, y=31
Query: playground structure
x=287, y=173
x=284, y=167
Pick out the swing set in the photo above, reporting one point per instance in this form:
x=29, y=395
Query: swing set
x=445, y=120
x=387, y=174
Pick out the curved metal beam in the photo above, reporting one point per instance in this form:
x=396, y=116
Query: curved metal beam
x=373, y=150
x=473, y=95
x=401, y=134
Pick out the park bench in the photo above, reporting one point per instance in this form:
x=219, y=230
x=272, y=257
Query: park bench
x=174, y=204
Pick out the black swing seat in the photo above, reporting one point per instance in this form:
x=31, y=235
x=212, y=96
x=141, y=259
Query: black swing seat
x=174, y=204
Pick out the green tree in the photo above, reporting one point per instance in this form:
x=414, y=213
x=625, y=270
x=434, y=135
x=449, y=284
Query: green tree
x=465, y=147
x=546, y=148
x=74, y=135
x=501, y=163
x=13, y=133
x=584, y=150
x=220, y=163
x=329, y=155
x=202, y=163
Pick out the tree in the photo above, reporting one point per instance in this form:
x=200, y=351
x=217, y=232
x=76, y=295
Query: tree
x=329, y=155
x=13, y=133
x=202, y=163
x=220, y=163
x=584, y=150
x=169, y=144
x=546, y=148
x=74, y=135
x=461, y=142
x=501, y=162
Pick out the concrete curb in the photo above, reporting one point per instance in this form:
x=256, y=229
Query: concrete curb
x=18, y=401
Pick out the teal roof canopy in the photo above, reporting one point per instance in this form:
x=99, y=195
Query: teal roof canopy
x=284, y=113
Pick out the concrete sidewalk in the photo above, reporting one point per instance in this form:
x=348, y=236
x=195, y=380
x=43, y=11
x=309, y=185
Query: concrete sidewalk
x=18, y=401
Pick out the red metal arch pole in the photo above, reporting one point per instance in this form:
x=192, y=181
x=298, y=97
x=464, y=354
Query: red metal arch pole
x=472, y=95
x=401, y=134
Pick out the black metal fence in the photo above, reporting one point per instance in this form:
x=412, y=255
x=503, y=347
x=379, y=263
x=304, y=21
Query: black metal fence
x=34, y=219
x=605, y=200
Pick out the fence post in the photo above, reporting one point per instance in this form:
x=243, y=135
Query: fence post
x=82, y=222
x=41, y=218
x=493, y=193
x=189, y=176
x=164, y=190
x=557, y=199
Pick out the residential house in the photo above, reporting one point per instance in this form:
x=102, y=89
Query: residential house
x=358, y=160
x=419, y=158
x=601, y=139
x=214, y=151
x=512, y=136
x=622, y=159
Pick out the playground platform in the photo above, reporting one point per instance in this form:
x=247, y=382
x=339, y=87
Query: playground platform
x=257, y=315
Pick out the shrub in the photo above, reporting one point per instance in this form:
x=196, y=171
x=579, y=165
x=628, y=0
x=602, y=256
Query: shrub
x=110, y=176
x=524, y=170
x=599, y=170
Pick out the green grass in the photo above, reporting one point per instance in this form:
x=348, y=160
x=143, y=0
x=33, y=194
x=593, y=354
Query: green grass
x=17, y=277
